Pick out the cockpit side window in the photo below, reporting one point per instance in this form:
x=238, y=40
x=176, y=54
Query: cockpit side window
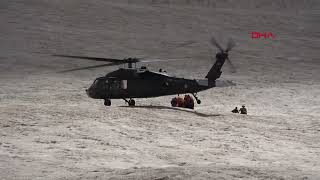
x=98, y=82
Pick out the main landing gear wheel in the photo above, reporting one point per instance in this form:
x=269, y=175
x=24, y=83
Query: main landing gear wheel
x=195, y=96
x=198, y=101
x=131, y=102
x=107, y=102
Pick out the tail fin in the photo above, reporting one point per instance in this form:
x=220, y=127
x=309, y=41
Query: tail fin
x=215, y=71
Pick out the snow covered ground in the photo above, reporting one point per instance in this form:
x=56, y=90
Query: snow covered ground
x=50, y=129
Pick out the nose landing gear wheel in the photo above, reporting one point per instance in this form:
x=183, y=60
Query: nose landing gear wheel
x=131, y=102
x=107, y=102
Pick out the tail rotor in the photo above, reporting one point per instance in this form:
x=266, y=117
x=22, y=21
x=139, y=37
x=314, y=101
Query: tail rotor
x=224, y=53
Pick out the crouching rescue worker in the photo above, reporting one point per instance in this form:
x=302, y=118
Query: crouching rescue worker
x=243, y=110
x=177, y=102
x=188, y=102
x=235, y=110
x=180, y=102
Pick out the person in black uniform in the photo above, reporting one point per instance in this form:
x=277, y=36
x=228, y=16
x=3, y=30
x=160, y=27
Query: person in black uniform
x=243, y=110
x=235, y=110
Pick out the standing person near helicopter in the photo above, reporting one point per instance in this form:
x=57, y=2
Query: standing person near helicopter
x=243, y=110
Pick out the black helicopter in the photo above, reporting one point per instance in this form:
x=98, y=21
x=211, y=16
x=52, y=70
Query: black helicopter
x=131, y=82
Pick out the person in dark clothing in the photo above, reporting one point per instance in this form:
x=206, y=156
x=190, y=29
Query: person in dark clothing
x=235, y=110
x=243, y=110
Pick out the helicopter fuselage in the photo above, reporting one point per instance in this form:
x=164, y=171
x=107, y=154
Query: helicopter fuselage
x=143, y=83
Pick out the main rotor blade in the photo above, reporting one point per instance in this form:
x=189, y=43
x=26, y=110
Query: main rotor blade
x=230, y=45
x=90, y=67
x=161, y=60
x=215, y=43
x=233, y=68
x=187, y=43
x=89, y=58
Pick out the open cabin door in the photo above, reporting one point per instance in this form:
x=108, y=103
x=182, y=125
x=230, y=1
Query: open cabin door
x=116, y=87
x=124, y=84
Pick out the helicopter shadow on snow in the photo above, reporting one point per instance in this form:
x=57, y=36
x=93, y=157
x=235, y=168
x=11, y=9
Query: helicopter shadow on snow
x=175, y=109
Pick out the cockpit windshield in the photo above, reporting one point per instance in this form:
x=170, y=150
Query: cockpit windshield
x=97, y=82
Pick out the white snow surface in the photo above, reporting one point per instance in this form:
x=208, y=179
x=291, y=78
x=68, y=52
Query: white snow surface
x=50, y=129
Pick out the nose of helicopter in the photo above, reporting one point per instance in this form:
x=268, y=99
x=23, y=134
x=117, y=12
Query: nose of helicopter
x=90, y=93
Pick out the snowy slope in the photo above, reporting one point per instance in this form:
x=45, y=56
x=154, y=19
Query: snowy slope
x=51, y=129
